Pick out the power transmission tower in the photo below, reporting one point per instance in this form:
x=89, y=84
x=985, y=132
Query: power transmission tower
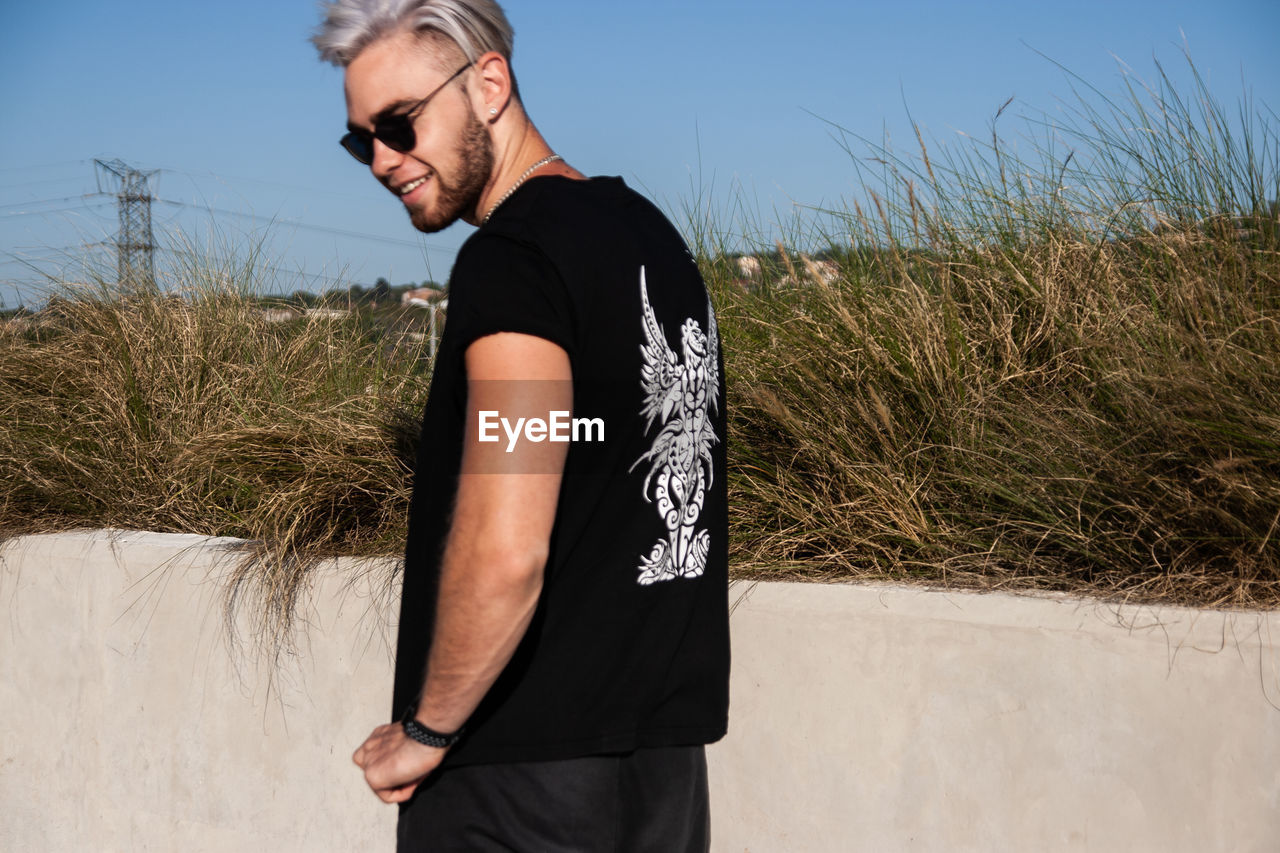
x=134, y=244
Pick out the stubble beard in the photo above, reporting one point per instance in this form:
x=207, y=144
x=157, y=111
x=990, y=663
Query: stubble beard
x=461, y=193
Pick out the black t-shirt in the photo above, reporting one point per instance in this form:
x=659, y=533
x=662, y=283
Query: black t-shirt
x=629, y=644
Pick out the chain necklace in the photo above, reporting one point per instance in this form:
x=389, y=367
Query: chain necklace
x=535, y=167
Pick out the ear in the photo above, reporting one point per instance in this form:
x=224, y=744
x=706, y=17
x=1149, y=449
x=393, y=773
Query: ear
x=494, y=92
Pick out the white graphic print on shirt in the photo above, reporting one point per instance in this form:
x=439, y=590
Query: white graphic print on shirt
x=684, y=395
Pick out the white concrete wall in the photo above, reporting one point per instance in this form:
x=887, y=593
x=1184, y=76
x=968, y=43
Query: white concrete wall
x=884, y=719
x=870, y=718
x=127, y=723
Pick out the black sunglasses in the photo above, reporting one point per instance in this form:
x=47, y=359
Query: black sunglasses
x=394, y=131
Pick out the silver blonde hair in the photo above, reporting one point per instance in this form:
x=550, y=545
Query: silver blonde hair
x=475, y=26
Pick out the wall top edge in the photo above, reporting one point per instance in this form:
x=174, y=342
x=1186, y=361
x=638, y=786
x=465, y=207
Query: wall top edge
x=1032, y=609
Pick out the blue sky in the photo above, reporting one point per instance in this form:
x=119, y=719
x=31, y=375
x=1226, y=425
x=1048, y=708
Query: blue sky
x=230, y=103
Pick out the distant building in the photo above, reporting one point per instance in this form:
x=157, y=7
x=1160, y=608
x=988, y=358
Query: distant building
x=328, y=313
x=751, y=272
x=280, y=315
x=425, y=297
x=823, y=271
x=438, y=302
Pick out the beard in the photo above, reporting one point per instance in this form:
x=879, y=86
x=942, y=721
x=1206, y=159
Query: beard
x=460, y=194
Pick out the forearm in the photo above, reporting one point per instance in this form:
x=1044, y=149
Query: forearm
x=485, y=605
x=487, y=599
x=499, y=537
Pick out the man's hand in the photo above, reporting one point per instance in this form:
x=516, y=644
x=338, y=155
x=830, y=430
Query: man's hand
x=394, y=764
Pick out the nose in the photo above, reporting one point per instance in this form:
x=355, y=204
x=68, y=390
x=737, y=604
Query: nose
x=385, y=159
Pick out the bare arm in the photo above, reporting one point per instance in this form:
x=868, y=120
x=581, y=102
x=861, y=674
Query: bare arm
x=491, y=572
x=491, y=575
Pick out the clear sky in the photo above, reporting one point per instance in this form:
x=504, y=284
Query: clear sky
x=229, y=102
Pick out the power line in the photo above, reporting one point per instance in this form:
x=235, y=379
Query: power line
x=342, y=232
x=40, y=183
x=306, y=225
x=80, y=208
x=50, y=200
x=135, y=243
x=276, y=269
x=43, y=166
x=33, y=259
x=28, y=259
x=77, y=209
x=226, y=178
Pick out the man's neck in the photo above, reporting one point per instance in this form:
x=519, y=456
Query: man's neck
x=517, y=150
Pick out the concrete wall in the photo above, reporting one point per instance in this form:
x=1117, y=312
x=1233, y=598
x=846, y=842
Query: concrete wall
x=864, y=717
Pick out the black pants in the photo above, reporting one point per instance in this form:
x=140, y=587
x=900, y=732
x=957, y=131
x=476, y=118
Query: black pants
x=648, y=800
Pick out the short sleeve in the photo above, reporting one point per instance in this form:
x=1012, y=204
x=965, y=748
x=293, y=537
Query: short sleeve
x=501, y=284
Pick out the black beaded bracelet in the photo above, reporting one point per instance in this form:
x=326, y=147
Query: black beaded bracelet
x=423, y=735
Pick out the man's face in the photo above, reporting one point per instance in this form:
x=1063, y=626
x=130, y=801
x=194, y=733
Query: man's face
x=443, y=177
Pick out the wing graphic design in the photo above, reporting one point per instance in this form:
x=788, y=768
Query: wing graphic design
x=680, y=392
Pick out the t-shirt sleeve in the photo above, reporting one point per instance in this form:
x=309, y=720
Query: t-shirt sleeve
x=500, y=284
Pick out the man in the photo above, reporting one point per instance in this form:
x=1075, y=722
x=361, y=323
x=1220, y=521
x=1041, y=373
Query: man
x=563, y=642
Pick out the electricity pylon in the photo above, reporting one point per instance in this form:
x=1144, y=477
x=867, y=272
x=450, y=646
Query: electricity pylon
x=134, y=244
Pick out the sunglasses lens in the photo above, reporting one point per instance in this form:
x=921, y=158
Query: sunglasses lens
x=396, y=132
x=359, y=146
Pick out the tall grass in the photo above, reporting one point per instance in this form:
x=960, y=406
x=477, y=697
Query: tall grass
x=185, y=410
x=1056, y=370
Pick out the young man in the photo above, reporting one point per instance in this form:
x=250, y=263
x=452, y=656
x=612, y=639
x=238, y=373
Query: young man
x=563, y=646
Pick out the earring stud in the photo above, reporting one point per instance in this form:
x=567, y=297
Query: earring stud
x=493, y=111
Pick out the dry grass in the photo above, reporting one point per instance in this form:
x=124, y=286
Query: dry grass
x=189, y=412
x=1059, y=372
x=1065, y=421
x=1028, y=372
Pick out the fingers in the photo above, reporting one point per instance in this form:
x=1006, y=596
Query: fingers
x=363, y=755
x=389, y=791
x=393, y=765
x=397, y=795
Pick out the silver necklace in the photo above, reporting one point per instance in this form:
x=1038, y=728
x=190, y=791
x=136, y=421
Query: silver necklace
x=527, y=172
